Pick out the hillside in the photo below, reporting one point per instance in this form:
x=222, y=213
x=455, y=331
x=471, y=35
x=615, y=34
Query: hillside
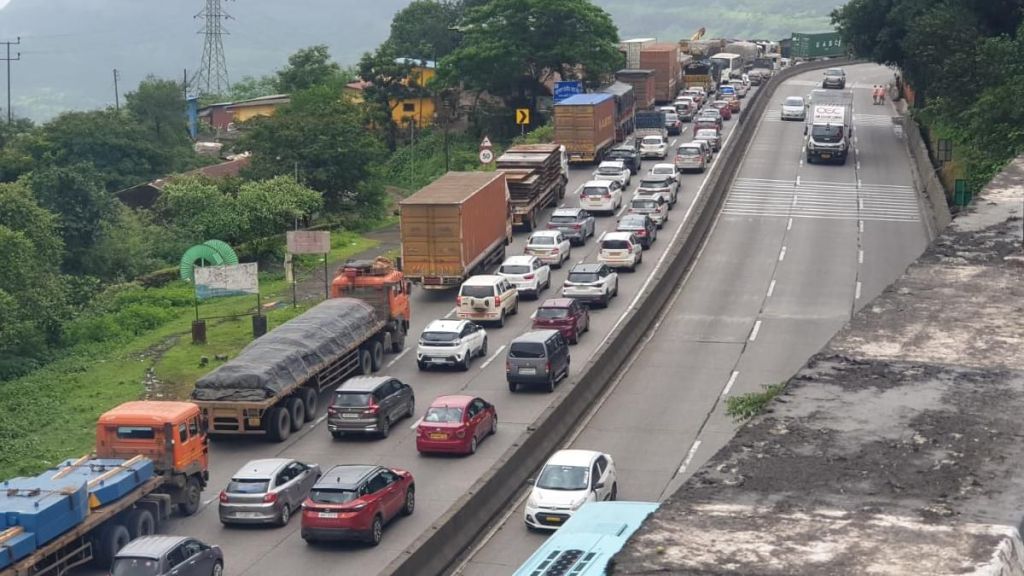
x=70, y=47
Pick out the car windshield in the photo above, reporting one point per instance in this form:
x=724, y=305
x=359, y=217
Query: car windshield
x=828, y=133
x=477, y=291
x=689, y=151
x=352, y=399
x=248, y=486
x=594, y=191
x=583, y=277
x=514, y=269
x=613, y=170
x=443, y=414
x=833, y=72
x=652, y=140
x=621, y=153
x=719, y=104
x=632, y=222
x=542, y=241
x=654, y=183
x=644, y=203
x=553, y=313
x=439, y=336
x=615, y=245
x=706, y=134
x=794, y=101
x=332, y=495
x=562, y=220
x=135, y=567
x=554, y=477
x=665, y=170
x=526, y=350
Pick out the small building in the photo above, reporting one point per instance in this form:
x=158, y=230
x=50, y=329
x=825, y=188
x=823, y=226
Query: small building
x=224, y=116
x=146, y=194
x=417, y=110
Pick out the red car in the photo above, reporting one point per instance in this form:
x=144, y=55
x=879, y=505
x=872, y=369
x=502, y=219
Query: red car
x=723, y=108
x=566, y=315
x=456, y=424
x=354, y=502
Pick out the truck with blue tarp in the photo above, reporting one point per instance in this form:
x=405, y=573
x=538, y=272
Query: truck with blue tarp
x=150, y=457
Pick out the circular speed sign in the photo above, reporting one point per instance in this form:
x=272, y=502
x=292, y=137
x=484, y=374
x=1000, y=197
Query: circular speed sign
x=486, y=156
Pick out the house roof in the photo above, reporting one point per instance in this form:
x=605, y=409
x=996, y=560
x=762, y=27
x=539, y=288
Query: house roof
x=359, y=85
x=145, y=195
x=262, y=101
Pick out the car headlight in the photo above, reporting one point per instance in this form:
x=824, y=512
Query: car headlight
x=532, y=502
x=842, y=145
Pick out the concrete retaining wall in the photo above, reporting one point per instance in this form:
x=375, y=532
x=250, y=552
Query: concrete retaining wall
x=472, y=514
x=926, y=177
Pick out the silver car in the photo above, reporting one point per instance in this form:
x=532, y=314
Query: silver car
x=793, y=108
x=711, y=136
x=690, y=156
x=267, y=491
x=369, y=404
x=664, y=184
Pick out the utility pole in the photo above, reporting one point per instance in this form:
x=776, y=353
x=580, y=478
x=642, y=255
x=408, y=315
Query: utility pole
x=8, y=60
x=117, y=95
x=212, y=76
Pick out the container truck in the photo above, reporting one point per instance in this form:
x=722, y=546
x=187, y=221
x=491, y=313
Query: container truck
x=150, y=458
x=537, y=176
x=272, y=388
x=664, y=60
x=455, y=227
x=651, y=123
x=625, y=107
x=811, y=46
x=642, y=82
x=632, y=49
x=585, y=125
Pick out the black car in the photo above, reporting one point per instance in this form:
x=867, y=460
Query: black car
x=628, y=154
x=641, y=225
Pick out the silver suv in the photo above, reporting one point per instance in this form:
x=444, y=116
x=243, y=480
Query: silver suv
x=591, y=283
x=369, y=404
x=576, y=224
x=266, y=491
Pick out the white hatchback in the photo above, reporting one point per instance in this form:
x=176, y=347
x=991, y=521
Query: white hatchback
x=568, y=480
x=601, y=196
x=620, y=250
x=450, y=343
x=527, y=273
x=549, y=246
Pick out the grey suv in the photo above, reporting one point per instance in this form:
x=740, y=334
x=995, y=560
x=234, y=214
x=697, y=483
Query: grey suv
x=834, y=78
x=537, y=357
x=160, y=555
x=266, y=491
x=628, y=154
x=369, y=404
x=576, y=224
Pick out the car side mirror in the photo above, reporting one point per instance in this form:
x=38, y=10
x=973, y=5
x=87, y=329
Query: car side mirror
x=531, y=480
x=599, y=485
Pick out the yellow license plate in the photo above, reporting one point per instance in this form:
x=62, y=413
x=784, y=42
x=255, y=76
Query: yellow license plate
x=554, y=519
x=254, y=422
x=438, y=436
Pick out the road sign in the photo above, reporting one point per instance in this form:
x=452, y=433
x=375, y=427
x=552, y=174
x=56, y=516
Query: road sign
x=226, y=280
x=566, y=88
x=486, y=156
x=485, y=143
x=308, y=242
x=522, y=116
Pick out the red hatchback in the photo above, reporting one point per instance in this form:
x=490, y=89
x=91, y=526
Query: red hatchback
x=566, y=315
x=354, y=502
x=456, y=424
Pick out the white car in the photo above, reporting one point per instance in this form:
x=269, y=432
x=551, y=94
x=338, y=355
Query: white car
x=711, y=136
x=450, y=343
x=487, y=298
x=665, y=184
x=568, y=480
x=654, y=205
x=620, y=250
x=666, y=169
x=549, y=246
x=794, y=108
x=527, y=273
x=653, y=147
x=613, y=170
x=601, y=196
x=591, y=283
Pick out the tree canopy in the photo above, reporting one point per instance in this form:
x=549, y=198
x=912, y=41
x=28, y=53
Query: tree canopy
x=425, y=29
x=307, y=68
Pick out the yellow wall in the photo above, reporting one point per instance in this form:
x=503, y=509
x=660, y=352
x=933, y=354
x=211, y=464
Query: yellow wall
x=248, y=112
x=420, y=110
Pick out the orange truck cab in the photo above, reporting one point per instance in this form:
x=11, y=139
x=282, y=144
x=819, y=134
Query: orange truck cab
x=171, y=434
x=381, y=285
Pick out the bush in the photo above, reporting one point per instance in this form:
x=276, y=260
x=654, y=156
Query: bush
x=746, y=406
x=89, y=329
x=138, y=318
x=159, y=278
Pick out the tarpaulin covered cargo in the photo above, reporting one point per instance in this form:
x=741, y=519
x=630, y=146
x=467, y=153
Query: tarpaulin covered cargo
x=292, y=353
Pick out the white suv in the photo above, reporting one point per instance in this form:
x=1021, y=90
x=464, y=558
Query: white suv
x=488, y=298
x=620, y=250
x=591, y=283
x=613, y=170
x=653, y=147
x=601, y=196
x=527, y=273
x=568, y=480
x=450, y=343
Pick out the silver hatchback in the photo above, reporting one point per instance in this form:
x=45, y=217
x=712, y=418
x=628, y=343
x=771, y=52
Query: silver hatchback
x=369, y=404
x=267, y=491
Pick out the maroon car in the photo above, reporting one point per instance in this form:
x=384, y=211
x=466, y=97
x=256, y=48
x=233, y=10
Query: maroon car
x=566, y=315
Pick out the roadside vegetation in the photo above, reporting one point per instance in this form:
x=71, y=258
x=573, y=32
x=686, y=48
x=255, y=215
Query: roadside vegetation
x=746, y=406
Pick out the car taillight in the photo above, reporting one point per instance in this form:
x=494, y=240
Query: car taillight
x=223, y=496
x=547, y=367
x=641, y=233
x=508, y=366
x=332, y=409
x=555, y=251
x=270, y=498
x=576, y=226
x=497, y=300
x=372, y=408
x=606, y=195
x=528, y=277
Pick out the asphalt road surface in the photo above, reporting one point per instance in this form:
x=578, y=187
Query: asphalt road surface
x=440, y=481
x=796, y=249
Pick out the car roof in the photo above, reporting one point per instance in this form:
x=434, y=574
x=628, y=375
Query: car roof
x=482, y=280
x=452, y=400
x=573, y=457
x=534, y=336
x=643, y=198
x=362, y=383
x=667, y=109
x=597, y=184
x=568, y=211
x=618, y=236
x=150, y=547
x=663, y=165
x=519, y=259
x=445, y=326
x=706, y=130
x=649, y=176
x=544, y=233
x=345, y=475
x=557, y=302
x=262, y=469
x=586, y=267
x=691, y=144
x=610, y=163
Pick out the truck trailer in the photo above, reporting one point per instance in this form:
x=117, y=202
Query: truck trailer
x=537, y=175
x=150, y=458
x=585, y=125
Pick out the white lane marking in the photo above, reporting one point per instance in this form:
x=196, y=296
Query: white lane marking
x=732, y=380
x=207, y=502
x=397, y=358
x=689, y=456
x=771, y=289
x=755, y=331
x=798, y=180
x=794, y=201
x=860, y=203
x=856, y=151
x=782, y=254
x=859, y=183
x=492, y=357
x=858, y=168
x=416, y=424
x=860, y=256
x=860, y=226
x=672, y=142
x=801, y=161
x=319, y=421
x=856, y=293
x=789, y=225
x=855, y=141
x=450, y=313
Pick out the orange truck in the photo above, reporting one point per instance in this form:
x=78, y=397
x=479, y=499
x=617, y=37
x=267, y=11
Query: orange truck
x=150, y=458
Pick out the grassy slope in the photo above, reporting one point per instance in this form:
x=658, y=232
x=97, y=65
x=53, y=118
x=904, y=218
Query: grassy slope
x=49, y=415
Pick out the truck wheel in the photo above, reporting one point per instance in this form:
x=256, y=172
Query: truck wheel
x=365, y=363
x=376, y=354
x=279, y=424
x=296, y=412
x=112, y=538
x=190, y=497
x=398, y=340
x=312, y=401
x=140, y=522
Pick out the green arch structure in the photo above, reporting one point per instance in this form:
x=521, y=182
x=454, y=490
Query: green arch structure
x=211, y=252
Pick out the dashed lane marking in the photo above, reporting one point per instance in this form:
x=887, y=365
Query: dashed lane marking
x=492, y=357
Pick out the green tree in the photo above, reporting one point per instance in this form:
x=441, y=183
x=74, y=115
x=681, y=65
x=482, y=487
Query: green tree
x=159, y=105
x=307, y=68
x=198, y=211
x=425, y=30
x=250, y=87
x=389, y=76
x=322, y=137
x=128, y=246
x=270, y=207
x=510, y=47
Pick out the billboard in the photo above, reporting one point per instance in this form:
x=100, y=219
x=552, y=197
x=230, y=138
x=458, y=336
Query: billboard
x=227, y=280
x=567, y=88
x=826, y=44
x=308, y=242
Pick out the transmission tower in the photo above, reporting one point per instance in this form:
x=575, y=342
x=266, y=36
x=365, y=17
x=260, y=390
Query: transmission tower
x=212, y=76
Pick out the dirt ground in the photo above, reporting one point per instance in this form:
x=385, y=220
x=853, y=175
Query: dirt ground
x=389, y=240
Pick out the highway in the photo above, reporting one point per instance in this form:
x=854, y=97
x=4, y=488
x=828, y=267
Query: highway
x=795, y=250
x=440, y=481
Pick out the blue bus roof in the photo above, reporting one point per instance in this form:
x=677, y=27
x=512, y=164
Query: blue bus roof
x=589, y=539
x=584, y=99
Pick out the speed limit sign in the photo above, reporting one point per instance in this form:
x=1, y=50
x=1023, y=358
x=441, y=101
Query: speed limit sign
x=486, y=156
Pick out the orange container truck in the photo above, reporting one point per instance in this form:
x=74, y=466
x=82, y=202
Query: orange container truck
x=585, y=125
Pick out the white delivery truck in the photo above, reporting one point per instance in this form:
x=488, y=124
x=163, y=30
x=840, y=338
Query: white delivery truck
x=830, y=127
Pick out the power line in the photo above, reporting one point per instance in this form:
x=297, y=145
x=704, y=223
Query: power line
x=8, y=60
x=212, y=76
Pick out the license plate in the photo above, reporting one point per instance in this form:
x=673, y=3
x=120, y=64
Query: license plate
x=350, y=415
x=616, y=254
x=327, y=515
x=553, y=519
x=528, y=371
x=437, y=361
x=254, y=422
x=246, y=514
x=437, y=436
x=826, y=156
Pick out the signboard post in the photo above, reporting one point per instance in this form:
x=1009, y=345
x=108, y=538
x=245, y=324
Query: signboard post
x=522, y=118
x=227, y=280
x=308, y=242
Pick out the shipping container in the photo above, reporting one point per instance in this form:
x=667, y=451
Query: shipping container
x=585, y=125
x=632, y=49
x=642, y=82
x=625, y=106
x=824, y=45
x=664, y=60
x=455, y=227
